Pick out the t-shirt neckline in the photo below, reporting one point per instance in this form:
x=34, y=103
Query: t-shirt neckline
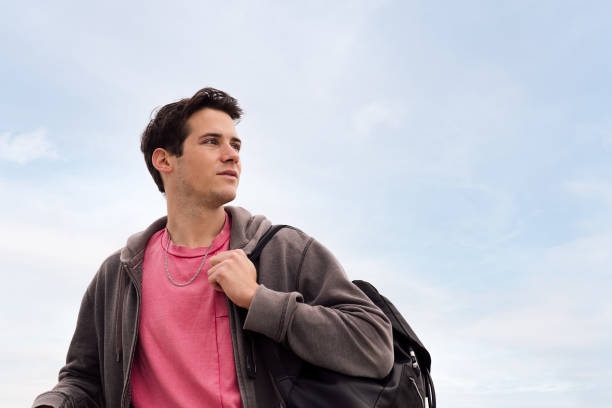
x=186, y=252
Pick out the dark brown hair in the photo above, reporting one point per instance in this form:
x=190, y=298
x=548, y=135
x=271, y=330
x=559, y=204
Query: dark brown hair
x=168, y=127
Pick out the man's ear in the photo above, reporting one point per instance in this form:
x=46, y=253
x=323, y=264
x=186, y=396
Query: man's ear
x=161, y=160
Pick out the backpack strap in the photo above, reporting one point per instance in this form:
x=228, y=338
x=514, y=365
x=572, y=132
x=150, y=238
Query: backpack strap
x=267, y=236
x=254, y=257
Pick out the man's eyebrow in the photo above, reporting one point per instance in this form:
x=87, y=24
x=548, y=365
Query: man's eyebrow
x=219, y=135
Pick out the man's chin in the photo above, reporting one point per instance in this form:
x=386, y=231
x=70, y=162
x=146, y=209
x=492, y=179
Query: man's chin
x=222, y=198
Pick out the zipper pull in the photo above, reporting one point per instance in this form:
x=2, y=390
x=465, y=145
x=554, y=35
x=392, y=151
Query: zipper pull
x=415, y=363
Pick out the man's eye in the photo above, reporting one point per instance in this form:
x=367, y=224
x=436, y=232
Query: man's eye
x=236, y=146
x=206, y=141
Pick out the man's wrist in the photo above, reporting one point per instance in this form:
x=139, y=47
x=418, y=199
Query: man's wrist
x=254, y=289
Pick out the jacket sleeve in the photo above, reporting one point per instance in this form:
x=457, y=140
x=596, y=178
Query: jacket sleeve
x=328, y=321
x=79, y=380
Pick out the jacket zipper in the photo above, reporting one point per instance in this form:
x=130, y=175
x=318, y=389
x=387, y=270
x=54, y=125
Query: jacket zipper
x=416, y=388
x=237, y=357
x=126, y=395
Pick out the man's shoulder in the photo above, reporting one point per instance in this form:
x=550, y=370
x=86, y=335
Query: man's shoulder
x=290, y=241
x=292, y=246
x=110, y=265
x=293, y=235
x=114, y=259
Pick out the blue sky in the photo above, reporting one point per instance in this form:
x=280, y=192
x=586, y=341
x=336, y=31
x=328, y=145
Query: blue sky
x=456, y=154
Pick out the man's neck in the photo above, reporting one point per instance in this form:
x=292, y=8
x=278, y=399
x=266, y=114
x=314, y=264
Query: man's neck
x=194, y=227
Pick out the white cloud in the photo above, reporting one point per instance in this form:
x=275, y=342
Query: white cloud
x=26, y=147
x=590, y=189
x=561, y=308
x=562, y=303
x=376, y=115
x=597, y=132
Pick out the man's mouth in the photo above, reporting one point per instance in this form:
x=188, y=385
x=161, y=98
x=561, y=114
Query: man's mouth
x=231, y=173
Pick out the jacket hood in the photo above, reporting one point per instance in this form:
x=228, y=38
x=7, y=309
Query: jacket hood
x=246, y=231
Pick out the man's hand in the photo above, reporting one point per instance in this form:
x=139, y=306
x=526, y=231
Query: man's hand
x=233, y=273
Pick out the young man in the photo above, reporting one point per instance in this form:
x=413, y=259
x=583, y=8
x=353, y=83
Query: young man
x=160, y=324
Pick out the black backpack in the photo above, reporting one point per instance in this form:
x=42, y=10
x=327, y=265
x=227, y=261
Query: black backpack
x=408, y=385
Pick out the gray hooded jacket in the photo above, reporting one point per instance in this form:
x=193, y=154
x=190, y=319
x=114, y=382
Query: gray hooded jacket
x=305, y=308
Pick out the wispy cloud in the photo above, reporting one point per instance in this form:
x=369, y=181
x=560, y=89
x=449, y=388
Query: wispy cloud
x=590, y=189
x=375, y=115
x=25, y=147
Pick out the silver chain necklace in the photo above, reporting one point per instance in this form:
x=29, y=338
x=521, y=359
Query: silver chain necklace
x=194, y=276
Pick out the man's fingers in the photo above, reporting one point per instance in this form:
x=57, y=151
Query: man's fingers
x=222, y=256
x=234, y=274
x=212, y=279
x=212, y=270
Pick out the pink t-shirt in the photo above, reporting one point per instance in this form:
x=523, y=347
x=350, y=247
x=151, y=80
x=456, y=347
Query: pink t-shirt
x=184, y=356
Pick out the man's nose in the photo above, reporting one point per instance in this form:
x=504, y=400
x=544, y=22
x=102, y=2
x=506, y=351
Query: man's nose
x=229, y=153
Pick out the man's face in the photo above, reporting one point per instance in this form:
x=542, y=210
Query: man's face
x=209, y=168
